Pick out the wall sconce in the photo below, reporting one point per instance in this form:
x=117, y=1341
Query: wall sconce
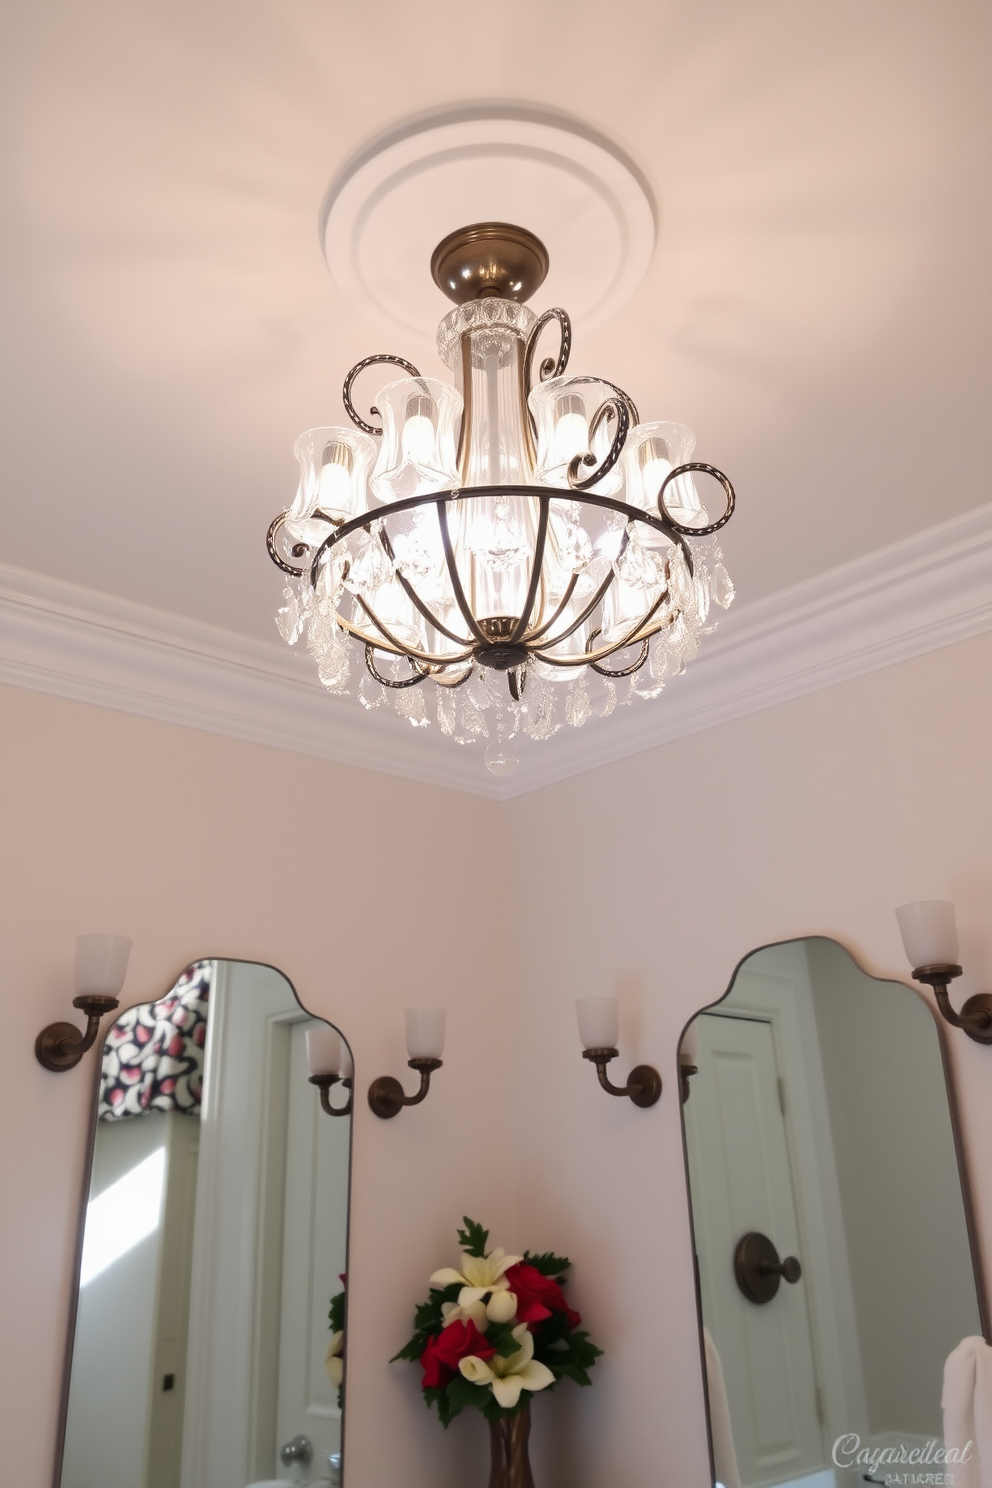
x=688, y=1058
x=930, y=938
x=424, y=1045
x=101, y=965
x=599, y=1030
x=330, y=1063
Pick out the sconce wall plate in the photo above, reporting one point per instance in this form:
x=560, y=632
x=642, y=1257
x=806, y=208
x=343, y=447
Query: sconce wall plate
x=387, y=1096
x=643, y=1085
x=61, y=1046
x=975, y=1017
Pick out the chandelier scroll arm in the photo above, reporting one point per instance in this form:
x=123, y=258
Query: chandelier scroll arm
x=618, y=407
x=420, y=673
x=536, y=572
x=372, y=361
x=455, y=576
x=273, y=552
x=635, y=417
x=602, y=671
x=705, y=469
x=550, y=367
x=299, y=548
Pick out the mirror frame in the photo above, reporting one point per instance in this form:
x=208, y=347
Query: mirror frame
x=957, y=1130
x=84, y=1195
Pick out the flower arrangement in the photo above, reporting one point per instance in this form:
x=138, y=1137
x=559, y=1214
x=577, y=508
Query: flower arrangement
x=334, y=1359
x=494, y=1328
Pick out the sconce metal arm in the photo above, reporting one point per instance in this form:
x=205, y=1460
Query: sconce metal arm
x=323, y=1084
x=686, y=1071
x=643, y=1085
x=61, y=1046
x=387, y=1096
x=975, y=1017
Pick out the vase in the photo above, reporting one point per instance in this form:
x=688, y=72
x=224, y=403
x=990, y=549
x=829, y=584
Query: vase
x=510, y=1462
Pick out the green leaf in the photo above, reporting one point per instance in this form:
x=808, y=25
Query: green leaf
x=411, y=1351
x=547, y=1262
x=473, y=1237
x=500, y=1335
x=568, y=1356
x=336, y=1314
x=460, y=1393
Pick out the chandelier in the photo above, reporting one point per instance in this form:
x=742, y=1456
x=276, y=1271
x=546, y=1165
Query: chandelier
x=508, y=554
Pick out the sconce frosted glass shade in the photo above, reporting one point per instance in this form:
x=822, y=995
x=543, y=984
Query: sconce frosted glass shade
x=424, y=1033
x=101, y=964
x=599, y=1022
x=324, y=1050
x=929, y=934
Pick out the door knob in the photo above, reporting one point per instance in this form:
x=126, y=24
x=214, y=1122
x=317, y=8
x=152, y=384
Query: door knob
x=758, y=1270
x=300, y=1449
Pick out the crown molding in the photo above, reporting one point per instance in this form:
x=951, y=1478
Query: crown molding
x=92, y=647
x=917, y=595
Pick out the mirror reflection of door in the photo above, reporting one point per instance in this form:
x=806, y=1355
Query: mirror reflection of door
x=215, y=1238
x=817, y=1130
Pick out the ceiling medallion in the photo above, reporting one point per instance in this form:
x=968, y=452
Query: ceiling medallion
x=574, y=188
x=507, y=554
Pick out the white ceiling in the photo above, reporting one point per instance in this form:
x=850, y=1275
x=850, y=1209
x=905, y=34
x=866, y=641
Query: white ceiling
x=817, y=308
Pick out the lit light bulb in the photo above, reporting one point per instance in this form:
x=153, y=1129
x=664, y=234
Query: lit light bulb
x=418, y=432
x=571, y=429
x=655, y=469
x=334, y=490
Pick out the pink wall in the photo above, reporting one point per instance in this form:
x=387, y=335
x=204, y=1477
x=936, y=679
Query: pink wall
x=365, y=891
x=655, y=877
x=652, y=878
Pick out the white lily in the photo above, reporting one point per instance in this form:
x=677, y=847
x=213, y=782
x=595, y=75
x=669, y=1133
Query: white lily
x=520, y=1371
x=479, y=1275
x=333, y=1362
x=475, y=1312
x=501, y=1307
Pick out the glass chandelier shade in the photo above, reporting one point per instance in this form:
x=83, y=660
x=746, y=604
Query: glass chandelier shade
x=507, y=554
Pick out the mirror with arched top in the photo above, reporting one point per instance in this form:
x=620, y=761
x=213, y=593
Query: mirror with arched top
x=832, y=1230
x=208, y=1347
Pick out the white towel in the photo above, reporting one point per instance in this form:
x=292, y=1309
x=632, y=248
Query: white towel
x=724, y=1456
x=967, y=1403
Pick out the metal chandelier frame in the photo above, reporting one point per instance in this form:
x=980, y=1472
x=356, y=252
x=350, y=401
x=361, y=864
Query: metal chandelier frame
x=505, y=643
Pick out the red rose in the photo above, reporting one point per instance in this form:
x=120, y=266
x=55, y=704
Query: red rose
x=538, y=1296
x=440, y=1358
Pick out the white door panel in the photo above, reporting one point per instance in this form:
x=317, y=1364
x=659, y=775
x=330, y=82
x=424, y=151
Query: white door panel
x=741, y=1181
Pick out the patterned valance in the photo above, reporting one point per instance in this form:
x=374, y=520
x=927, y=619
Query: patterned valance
x=153, y=1056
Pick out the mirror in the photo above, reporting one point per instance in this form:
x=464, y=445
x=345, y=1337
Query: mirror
x=208, y=1342
x=831, y=1232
